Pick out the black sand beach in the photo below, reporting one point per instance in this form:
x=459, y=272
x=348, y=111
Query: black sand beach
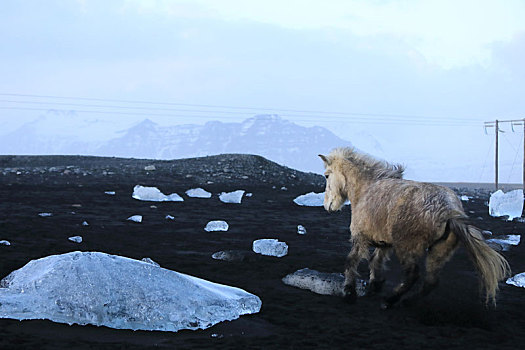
x=72, y=189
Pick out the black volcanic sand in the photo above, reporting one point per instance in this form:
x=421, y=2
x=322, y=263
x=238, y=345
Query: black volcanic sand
x=72, y=188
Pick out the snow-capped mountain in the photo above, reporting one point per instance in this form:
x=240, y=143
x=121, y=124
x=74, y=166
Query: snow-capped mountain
x=267, y=135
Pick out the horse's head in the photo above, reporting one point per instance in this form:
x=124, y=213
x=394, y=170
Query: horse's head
x=335, y=194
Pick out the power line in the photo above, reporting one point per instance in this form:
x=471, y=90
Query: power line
x=288, y=112
x=301, y=117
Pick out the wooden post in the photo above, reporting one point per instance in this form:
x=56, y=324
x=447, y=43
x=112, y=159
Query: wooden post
x=496, y=158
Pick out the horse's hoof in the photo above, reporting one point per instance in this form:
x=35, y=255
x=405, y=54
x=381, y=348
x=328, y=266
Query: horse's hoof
x=385, y=305
x=389, y=302
x=374, y=287
x=349, y=295
x=350, y=298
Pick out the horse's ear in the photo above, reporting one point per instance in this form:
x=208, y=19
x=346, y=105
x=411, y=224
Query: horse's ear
x=325, y=160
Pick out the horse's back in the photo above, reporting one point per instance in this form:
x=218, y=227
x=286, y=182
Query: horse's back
x=394, y=207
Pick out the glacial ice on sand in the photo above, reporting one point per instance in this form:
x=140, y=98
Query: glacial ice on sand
x=153, y=194
x=198, y=193
x=216, y=225
x=323, y=283
x=118, y=292
x=270, y=247
x=311, y=199
x=517, y=280
x=135, y=218
x=506, y=204
x=45, y=215
x=301, y=230
x=4, y=242
x=76, y=239
x=232, y=197
x=506, y=240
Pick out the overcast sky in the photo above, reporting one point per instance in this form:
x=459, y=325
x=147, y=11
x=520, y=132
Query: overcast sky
x=407, y=64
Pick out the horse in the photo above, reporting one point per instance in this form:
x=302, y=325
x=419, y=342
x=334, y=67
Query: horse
x=408, y=217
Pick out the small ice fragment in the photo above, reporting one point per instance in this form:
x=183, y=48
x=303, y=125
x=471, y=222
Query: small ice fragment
x=150, y=261
x=301, y=230
x=311, y=199
x=136, y=218
x=111, y=193
x=169, y=217
x=150, y=168
x=44, y=215
x=216, y=225
x=174, y=198
x=232, y=197
x=506, y=204
x=270, y=247
x=249, y=194
x=230, y=255
x=506, y=240
x=198, y=193
x=85, y=223
x=464, y=198
x=517, y=280
x=4, y=242
x=284, y=188
x=153, y=194
x=76, y=239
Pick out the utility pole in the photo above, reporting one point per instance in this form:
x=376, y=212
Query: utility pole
x=496, y=156
x=495, y=125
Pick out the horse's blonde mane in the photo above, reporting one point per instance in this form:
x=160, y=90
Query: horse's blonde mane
x=368, y=166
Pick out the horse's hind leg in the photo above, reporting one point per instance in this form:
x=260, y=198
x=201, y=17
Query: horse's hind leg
x=438, y=254
x=379, y=257
x=359, y=251
x=410, y=276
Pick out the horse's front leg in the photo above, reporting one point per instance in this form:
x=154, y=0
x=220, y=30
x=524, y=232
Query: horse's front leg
x=358, y=252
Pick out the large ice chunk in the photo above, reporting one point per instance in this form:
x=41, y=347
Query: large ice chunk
x=270, y=246
x=118, y=292
x=232, y=197
x=321, y=282
x=506, y=204
x=153, y=194
x=517, y=280
x=198, y=193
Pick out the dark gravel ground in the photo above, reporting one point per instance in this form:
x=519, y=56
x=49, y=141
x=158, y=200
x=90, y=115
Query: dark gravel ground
x=452, y=317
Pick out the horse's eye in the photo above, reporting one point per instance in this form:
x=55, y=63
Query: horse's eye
x=326, y=175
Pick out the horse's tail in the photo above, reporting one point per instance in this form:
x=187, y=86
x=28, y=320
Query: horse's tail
x=491, y=265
